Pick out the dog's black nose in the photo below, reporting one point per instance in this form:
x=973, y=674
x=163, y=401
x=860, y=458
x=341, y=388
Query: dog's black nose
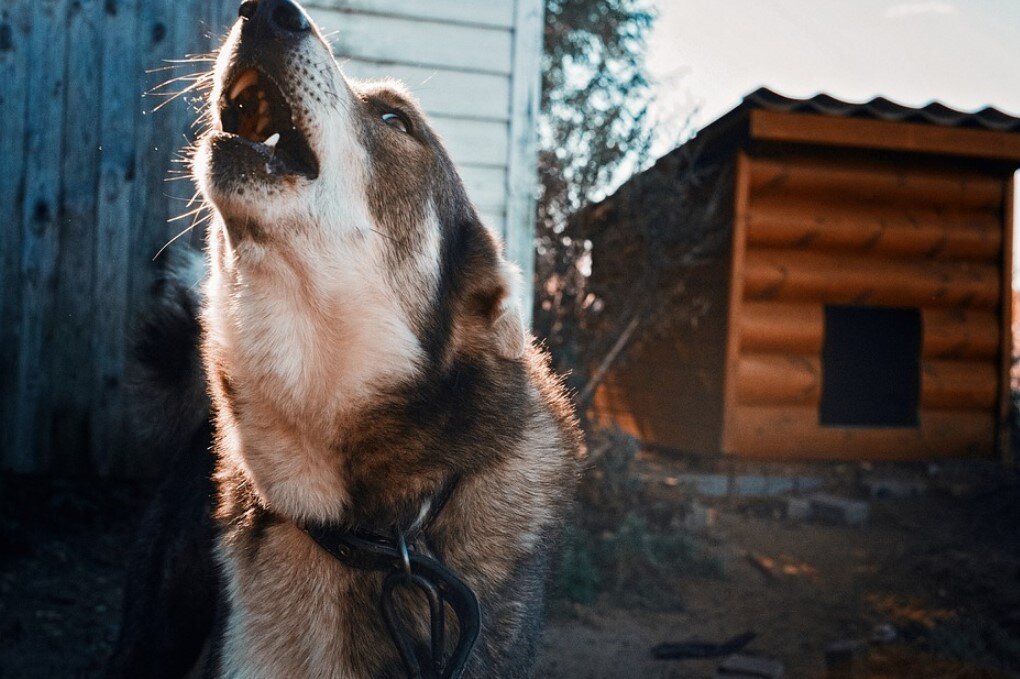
x=282, y=17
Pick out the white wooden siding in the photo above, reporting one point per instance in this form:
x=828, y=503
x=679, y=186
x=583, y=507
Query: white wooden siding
x=474, y=66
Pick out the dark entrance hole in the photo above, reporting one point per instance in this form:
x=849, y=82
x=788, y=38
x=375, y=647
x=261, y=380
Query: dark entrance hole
x=871, y=372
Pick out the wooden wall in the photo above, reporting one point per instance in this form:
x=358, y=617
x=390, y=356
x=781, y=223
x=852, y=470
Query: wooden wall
x=475, y=68
x=83, y=209
x=813, y=230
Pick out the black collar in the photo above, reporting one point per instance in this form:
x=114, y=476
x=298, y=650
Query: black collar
x=405, y=567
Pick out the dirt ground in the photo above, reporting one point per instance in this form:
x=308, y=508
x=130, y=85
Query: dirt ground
x=939, y=571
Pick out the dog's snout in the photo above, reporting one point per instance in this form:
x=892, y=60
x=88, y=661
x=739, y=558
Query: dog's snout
x=281, y=17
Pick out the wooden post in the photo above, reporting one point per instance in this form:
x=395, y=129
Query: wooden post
x=1004, y=427
x=522, y=161
x=741, y=198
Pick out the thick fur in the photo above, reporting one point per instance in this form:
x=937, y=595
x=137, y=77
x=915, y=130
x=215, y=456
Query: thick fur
x=361, y=349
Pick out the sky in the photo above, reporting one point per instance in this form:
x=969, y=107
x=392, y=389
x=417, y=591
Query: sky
x=706, y=54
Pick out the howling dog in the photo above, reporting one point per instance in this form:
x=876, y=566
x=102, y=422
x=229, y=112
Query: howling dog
x=391, y=459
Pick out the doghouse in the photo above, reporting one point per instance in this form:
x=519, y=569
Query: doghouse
x=859, y=304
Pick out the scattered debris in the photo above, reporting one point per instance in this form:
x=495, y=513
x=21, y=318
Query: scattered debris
x=798, y=509
x=700, y=518
x=894, y=488
x=846, y=659
x=884, y=634
x=696, y=649
x=835, y=509
x=764, y=564
x=755, y=666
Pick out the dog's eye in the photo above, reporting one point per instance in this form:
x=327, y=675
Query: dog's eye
x=396, y=120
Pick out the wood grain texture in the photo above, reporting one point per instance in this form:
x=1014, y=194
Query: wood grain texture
x=1004, y=420
x=960, y=385
x=398, y=40
x=792, y=433
x=475, y=142
x=121, y=101
x=447, y=92
x=799, y=328
x=876, y=229
x=16, y=22
x=836, y=279
x=864, y=182
x=787, y=327
x=40, y=224
x=522, y=162
x=779, y=379
x=881, y=134
x=741, y=197
x=71, y=352
x=493, y=13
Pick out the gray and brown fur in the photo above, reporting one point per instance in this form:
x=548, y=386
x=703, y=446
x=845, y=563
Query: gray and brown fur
x=361, y=349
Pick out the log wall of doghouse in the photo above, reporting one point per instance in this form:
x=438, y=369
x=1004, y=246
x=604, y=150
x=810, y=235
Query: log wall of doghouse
x=817, y=230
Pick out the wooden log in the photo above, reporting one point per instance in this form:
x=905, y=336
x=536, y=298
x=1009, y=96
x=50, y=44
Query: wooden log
x=779, y=379
x=899, y=231
x=869, y=182
x=788, y=433
x=782, y=327
x=960, y=333
x=799, y=328
x=834, y=279
x=959, y=385
x=1004, y=424
x=827, y=130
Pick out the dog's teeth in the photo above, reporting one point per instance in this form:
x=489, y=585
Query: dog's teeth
x=271, y=141
x=248, y=78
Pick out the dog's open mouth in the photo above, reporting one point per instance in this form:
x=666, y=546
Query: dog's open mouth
x=254, y=109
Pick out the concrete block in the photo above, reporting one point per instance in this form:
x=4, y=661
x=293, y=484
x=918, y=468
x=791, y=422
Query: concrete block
x=798, y=509
x=708, y=485
x=741, y=665
x=699, y=518
x=846, y=660
x=835, y=509
x=894, y=488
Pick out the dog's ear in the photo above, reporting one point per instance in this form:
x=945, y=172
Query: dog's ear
x=490, y=316
x=507, y=324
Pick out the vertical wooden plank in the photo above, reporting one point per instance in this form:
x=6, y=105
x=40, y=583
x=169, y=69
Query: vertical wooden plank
x=223, y=14
x=739, y=239
x=15, y=42
x=71, y=352
x=153, y=137
x=120, y=99
x=1004, y=438
x=40, y=230
x=522, y=161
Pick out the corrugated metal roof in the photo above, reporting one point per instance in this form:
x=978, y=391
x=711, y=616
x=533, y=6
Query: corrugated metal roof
x=881, y=108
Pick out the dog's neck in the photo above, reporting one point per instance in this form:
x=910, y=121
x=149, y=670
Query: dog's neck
x=301, y=349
